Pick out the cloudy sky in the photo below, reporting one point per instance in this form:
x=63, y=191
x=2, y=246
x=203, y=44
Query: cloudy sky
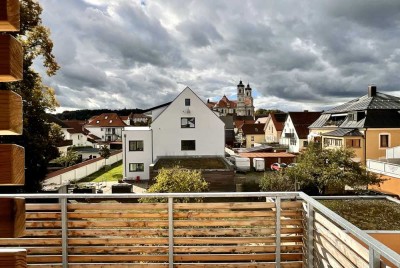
x=311, y=54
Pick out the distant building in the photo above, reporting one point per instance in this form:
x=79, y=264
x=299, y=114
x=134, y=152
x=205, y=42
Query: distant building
x=295, y=130
x=108, y=127
x=242, y=106
x=369, y=125
x=274, y=126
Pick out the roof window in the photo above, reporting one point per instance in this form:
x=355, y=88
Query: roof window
x=97, y=121
x=106, y=117
x=110, y=121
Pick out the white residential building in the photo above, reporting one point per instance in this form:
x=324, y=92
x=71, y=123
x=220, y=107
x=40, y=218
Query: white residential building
x=186, y=127
x=107, y=127
x=295, y=130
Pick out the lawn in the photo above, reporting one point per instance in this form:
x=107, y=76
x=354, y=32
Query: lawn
x=113, y=173
x=367, y=214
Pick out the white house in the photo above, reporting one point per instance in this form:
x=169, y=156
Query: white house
x=186, y=127
x=108, y=127
x=76, y=133
x=295, y=130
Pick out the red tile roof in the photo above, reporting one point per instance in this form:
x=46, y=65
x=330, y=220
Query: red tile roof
x=75, y=126
x=249, y=129
x=278, y=120
x=264, y=155
x=302, y=120
x=106, y=120
x=240, y=123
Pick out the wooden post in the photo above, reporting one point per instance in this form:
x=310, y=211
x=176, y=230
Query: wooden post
x=9, y=16
x=12, y=165
x=10, y=113
x=11, y=59
x=13, y=258
x=12, y=217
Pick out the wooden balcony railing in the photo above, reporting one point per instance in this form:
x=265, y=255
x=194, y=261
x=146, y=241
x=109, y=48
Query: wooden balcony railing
x=276, y=230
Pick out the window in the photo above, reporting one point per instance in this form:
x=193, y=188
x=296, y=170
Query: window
x=305, y=143
x=252, y=138
x=353, y=143
x=101, y=129
x=135, y=145
x=332, y=142
x=293, y=141
x=97, y=121
x=187, y=122
x=384, y=141
x=188, y=145
x=187, y=102
x=134, y=167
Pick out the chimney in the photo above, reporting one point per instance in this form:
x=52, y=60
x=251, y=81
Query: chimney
x=371, y=91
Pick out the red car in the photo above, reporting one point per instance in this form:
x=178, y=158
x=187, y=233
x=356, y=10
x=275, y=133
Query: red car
x=278, y=166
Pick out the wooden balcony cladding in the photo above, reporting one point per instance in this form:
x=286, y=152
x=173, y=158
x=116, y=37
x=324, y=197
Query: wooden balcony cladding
x=9, y=16
x=13, y=258
x=12, y=217
x=10, y=113
x=11, y=58
x=12, y=165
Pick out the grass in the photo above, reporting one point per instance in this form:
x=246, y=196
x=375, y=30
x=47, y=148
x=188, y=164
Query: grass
x=113, y=173
x=191, y=163
x=367, y=214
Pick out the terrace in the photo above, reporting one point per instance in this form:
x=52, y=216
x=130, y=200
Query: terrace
x=267, y=229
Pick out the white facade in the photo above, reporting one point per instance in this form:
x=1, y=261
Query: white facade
x=106, y=133
x=133, y=154
x=290, y=138
x=186, y=127
x=207, y=132
x=78, y=139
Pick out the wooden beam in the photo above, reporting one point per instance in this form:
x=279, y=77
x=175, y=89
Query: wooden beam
x=10, y=113
x=12, y=217
x=12, y=165
x=11, y=59
x=13, y=258
x=9, y=16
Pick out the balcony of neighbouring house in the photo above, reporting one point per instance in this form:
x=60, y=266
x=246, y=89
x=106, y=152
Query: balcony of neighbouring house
x=263, y=229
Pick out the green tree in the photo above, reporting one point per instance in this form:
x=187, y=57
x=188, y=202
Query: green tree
x=39, y=146
x=104, y=152
x=68, y=159
x=276, y=182
x=262, y=111
x=321, y=168
x=177, y=180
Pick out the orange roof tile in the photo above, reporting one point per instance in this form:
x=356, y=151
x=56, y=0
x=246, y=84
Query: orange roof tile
x=106, y=120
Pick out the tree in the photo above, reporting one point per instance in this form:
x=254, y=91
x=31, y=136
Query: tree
x=262, y=111
x=329, y=167
x=177, y=180
x=105, y=153
x=276, y=182
x=68, y=159
x=39, y=145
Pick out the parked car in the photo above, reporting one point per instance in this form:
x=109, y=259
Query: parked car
x=278, y=166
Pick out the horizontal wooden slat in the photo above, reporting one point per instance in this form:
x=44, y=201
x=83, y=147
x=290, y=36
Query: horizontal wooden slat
x=114, y=241
x=235, y=257
x=239, y=265
x=232, y=240
x=42, y=207
x=234, y=214
x=119, y=206
x=117, y=215
x=231, y=206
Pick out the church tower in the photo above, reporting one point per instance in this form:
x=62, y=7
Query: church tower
x=248, y=101
x=240, y=109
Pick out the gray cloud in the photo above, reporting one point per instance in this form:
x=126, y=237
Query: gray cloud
x=138, y=54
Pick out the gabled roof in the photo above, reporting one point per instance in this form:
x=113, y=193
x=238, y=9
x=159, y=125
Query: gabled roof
x=106, y=120
x=279, y=120
x=240, y=123
x=253, y=129
x=344, y=132
x=75, y=126
x=377, y=102
x=302, y=120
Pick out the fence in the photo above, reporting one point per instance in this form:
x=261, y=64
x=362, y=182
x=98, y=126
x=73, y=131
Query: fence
x=81, y=170
x=293, y=230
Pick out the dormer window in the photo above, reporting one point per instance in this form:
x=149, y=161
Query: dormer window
x=187, y=102
x=97, y=121
x=106, y=117
x=110, y=121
